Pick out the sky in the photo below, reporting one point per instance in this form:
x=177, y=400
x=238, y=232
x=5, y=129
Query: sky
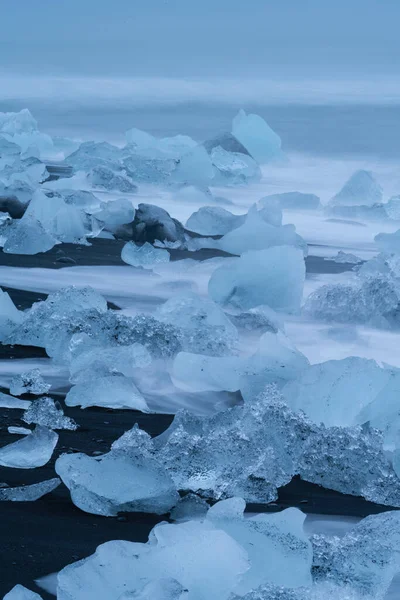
x=206, y=38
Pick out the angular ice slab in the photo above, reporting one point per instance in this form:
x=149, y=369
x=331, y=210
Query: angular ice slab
x=234, y=168
x=106, y=178
x=29, y=493
x=22, y=129
x=335, y=392
x=297, y=200
x=388, y=242
x=116, y=213
x=9, y=315
x=7, y=401
x=19, y=592
x=360, y=190
x=34, y=450
x=194, y=168
x=48, y=413
x=146, y=144
x=112, y=391
x=274, y=276
x=257, y=137
x=28, y=236
x=30, y=382
x=345, y=258
x=213, y=220
x=154, y=223
x=145, y=256
x=124, y=480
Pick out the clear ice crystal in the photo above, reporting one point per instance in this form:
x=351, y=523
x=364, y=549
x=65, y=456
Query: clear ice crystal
x=30, y=382
x=48, y=413
x=34, y=450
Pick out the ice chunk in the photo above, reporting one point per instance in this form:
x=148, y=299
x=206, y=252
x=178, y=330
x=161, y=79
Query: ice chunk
x=274, y=276
x=115, y=213
x=258, y=320
x=123, y=480
x=92, y=154
x=392, y=208
x=19, y=430
x=7, y=401
x=360, y=189
x=145, y=256
x=28, y=237
x=19, y=592
x=258, y=234
x=8, y=148
x=213, y=220
x=21, y=128
x=33, y=451
x=15, y=196
x=148, y=145
x=388, y=242
x=29, y=493
x=154, y=223
x=48, y=413
x=278, y=549
x=257, y=137
x=143, y=169
x=82, y=199
x=106, y=178
x=200, y=373
x=189, y=507
x=345, y=258
x=297, y=200
x=30, y=382
x=9, y=315
x=135, y=438
x=112, y=391
x=205, y=560
x=336, y=391
x=234, y=168
x=270, y=210
x=194, y=168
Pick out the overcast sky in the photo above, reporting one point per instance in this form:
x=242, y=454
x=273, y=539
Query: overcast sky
x=200, y=38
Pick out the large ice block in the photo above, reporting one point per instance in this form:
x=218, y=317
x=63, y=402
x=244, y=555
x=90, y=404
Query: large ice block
x=257, y=137
x=361, y=189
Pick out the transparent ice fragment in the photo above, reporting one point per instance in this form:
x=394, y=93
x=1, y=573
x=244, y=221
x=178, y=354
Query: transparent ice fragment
x=30, y=382
x=392, y=208
x=213, y=220
x=257, y=137
x=35, y=450
x=135, y=438
x=345, y=258
x=190, y=507
x=194, y=168
x=7, y=401
x=28, y=236
x=201, y=373
x=234, y=168
x=112, y=391
x=48, y=413
x=93, y=154
x=19, y=592
x=19, y=430
x=115, y=213
x=145, y=256
x=360, y=189
x=146, y=144
x=104, y=177
x=29, y=493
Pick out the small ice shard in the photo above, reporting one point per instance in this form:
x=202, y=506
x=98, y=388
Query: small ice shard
x=154, y=223
x=257, y=137
x=19, y=430
x=28, y=236
x=297, y=200
x=205, y=560
x=9, y=315
x=104, y=177
x=35, y=450
x=145, y=256
x=189, y=507
x=335, y=392
x=7, y=401
x=345, y=258
x=194, y=168
x=360, y=190
x=124, y=480
x=48, y=413
x=29, y=493
x=201, y=373
x=30, y=382
x=213, y=220
x=234, y=168
x=274, y=276
x=112, y=391
x=388, y=242
x=19, y=592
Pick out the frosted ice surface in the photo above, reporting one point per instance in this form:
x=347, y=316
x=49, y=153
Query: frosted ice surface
x=258, y=320
x=277, y=547
x=19, y=592
x=274, y=276
x=392, y=208
x=297, y=200
x=143, y=169
x=194, y=168
x=21, y=128
x=234, y=168
x=35, y=450
x=116, y=212
x=124, y=480
x=81, y=199
x=106, y=178
x=28, y=236
x=92, y=154
x=388, y=242
x=135, y=438
x=336, y=391
x=29, y=493
x=9, y=315
x=30, y=382
x=112, y=391
x=361, y=189
x=7, y=401
x=45, y=411
x=270, y=210
x=160, y=589
x=257, y=137
x=145, y=256
x=206, y=561
x=213, y=220
x=201, y=373
x=345, y=258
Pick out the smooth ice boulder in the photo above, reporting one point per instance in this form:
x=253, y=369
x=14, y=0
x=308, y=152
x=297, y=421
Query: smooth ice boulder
x=110, y=180
x=205, y=560
x=234, y=168
x=360, y=190
x=194, y=168
x=257, y=137
x=335, y=392
x=258, y=234
x=19, y=592
x=28, y=236
x=273, y=276
x=29, y=493
x=30, y=382
x=145, y=256
x=112, y=391
x=201, y=373
x=10, y=316
x=213, y=220
x=34, y=450
x=48, y=413
x=123, y=480
x=296, y=200
x=388, y=242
